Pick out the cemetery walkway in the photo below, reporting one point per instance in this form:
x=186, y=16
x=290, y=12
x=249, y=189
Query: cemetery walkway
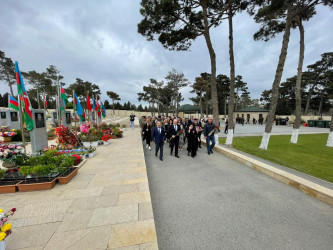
x=213, y=202
x=106, y=206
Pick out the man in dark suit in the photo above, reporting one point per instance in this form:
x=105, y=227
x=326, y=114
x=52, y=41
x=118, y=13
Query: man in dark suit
x=174, y=137
x=159, y=138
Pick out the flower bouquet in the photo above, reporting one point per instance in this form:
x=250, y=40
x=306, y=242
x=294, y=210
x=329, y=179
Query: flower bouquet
x=6, y=228
x=106, y=139
x=12, y=155
x=66, y=138
x=7, y=134
x=180, y=133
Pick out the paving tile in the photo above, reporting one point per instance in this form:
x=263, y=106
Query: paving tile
x=81, y=193
x=46, y=208
x=93, y=238
x=145, y=211
x=134, y=233
x=149, y=246
x=42, y=219
x=75, y=220
x=113, y=215
x=134, y=247
x=31, y=236
x=94, y=202
x=32, y=248
x=133, y=181
x=144, y=186
x=133, y=198
x=119, y=189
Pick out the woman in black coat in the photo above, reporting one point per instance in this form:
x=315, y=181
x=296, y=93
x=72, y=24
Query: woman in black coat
x=146, y=131
x=192, y=141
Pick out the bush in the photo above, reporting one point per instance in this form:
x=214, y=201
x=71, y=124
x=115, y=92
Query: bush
x=18, y=136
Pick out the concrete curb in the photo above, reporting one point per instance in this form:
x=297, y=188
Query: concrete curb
x=317, y=191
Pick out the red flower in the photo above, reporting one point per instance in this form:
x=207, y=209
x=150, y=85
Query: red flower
x=13, y=210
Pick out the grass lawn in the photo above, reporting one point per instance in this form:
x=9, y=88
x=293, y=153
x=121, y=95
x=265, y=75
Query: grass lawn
x=309, y=156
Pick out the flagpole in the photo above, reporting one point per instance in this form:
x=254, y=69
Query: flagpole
x=59, y=102
x=87, y=106
x=74, y=109
x=21, y=121
x=9, y=101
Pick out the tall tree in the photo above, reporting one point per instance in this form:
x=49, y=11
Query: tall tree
x=36, y=80
x=270, y=11
x=114, y=97
x=176, y=81
x=178, y=22
x=199, y=87
x=7, y=71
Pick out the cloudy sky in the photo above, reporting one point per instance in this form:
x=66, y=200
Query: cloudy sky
x=98, y=41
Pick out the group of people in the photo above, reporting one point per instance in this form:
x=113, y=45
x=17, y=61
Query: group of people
x=177, y=132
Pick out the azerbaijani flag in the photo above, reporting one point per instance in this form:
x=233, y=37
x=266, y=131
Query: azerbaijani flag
x=26, y=106
x=103, y=111
x=64, y=99
x=13, y=104
x=95, y=105
x=78, y=107
x=45, y=101
x=88, y=103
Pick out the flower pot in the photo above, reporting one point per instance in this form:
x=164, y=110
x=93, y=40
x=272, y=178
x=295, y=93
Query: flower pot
x=92, y=154
x=94, y=143
x=86, y=144
x=7, y=139
x=81, y=163
x=8, y=165
x=2, y=245
x=107, y=142
x=8, y=187
x=36, y=186
x=69, y=177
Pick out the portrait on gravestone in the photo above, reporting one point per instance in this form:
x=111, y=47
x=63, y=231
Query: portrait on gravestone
x=39, y=119
x=3, y=115
x=54, y=115
x=14, y=116
x=68, y=118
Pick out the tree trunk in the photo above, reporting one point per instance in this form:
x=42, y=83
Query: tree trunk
x=277, y=80
x=213, y=64
x=206, y=108
x=321, y=100
x=298, y=110
x=11, y=89
x=38, y=98
x=225, y=106
x=200, y=105
x=232, y=82
x=306, y=112
x=330, y=136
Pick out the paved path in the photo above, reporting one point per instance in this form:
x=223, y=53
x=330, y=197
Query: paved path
x=213, y=202
x=106, y=206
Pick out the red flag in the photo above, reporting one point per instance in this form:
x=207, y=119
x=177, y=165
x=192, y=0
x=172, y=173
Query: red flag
x=88, y=103
x=45, y=101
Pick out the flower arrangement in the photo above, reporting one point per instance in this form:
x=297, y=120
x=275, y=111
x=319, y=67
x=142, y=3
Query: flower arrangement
x=6, y=132
x=12, y=154
x=50, y=133
x=106, y=137
x=66, y=138
x=6, y=228
x=181, y=132
x=84, y=128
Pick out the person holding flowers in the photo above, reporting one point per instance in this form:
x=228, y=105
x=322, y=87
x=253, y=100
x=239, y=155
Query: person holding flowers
x=192, y=141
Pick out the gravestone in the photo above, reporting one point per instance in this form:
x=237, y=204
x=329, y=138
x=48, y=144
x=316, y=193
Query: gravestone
x=38, y=135
x=10, y=118
x=3, y=118
x=54, y=117
x=66, y=119
x=99, y=120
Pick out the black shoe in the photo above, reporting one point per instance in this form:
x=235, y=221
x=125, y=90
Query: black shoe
x=171, y=153
x=199, y=146
x=161, y=159
x=188, y=154
x=156, y=154
x=208, y=153
x=177, y=156
x=211, y=152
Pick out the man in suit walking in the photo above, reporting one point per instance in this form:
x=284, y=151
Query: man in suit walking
x=174, y=137
x=159, y=138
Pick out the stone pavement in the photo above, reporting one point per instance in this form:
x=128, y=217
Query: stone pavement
x=213, y=202
x=106, y=206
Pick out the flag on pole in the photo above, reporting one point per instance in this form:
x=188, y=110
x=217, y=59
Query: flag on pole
x=88, y=103
x=103, y=110
x=95, y=104
x=64, y=99
x=78, y=107
x=24, y=99
x=13, y=103
x=98, y=108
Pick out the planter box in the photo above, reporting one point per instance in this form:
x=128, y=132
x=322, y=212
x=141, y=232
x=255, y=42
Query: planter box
x=86, y=144
x=68, y=178
x=91, y=155
x=7, y=139
x=50, y=138
x=94, y=143
x=81, y=163
x=107, y=142
x=8, y=187
x=27, y=187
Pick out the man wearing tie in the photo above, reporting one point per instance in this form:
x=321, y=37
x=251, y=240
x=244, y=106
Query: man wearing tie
x=174, y=137
x=159, y=138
